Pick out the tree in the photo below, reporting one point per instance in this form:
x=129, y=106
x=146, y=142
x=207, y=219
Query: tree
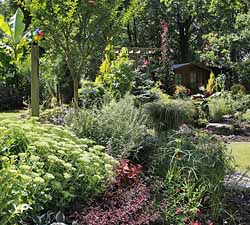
x=187, y=18
x=77, y=29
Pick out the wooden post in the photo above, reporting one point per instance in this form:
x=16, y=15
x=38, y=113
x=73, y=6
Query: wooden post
x=34, y=80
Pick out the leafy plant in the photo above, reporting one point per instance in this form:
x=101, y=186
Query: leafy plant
x=118, y=125
x=181, y=91
x=238, y=89
x=14, y=33
x=220, y=106
x=118, y=76
x=220, y=82
x=50, y=218
x=91, y=94
x=56, y=115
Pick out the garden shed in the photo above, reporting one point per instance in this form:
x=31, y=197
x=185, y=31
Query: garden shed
x=191, y=75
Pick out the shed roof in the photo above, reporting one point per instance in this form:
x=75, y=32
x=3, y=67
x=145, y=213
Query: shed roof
x=183, y=65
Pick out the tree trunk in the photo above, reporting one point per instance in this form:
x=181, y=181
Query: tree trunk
x=129, y=35
x=135, y=33
x=76, y=86
x=184, y=27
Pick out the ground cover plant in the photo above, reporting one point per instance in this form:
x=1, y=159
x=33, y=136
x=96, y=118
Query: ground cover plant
x=47, y=166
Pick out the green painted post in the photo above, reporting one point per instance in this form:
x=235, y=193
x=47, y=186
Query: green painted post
x=34, y=80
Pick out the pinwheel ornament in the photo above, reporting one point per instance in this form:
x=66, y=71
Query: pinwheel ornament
x=37, y=35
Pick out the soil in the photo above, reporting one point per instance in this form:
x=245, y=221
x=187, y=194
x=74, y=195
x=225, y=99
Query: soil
x=237, y=205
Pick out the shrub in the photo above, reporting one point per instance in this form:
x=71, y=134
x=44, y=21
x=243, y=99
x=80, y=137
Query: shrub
x=127, y=201
x=54, y=168
x=56, y=116
x=193, y=165
x=142, y=88
x=246, y=116
x=118, y=125
x=169, y=115
x=181, y=91
x=211, y=84
x=91, y=94
x=118, y=76
x=238, y=89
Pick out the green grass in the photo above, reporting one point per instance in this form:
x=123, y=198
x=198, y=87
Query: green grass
x=241, y=153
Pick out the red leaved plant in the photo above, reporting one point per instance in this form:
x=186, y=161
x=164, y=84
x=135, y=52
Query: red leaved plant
x=127, y=201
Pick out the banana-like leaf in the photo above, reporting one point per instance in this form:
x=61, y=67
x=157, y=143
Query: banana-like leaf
x=4, y=26
x=17, y=26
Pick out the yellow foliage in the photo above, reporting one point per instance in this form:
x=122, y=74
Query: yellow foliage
x=211, y=83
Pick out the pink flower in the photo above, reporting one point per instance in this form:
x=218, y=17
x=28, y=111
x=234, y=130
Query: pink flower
x=146, y=62
x=186, y=220
x=197, y=222
x=178, y=211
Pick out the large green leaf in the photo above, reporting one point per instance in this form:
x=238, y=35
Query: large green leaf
x=17, y=26
x=4, y=26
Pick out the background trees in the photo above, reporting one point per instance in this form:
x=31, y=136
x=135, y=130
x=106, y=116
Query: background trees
x=213, y=32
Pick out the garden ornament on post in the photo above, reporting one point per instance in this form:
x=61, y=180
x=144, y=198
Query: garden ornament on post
x=36, y=37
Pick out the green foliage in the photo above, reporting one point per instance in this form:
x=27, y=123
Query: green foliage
x=168, y=115
x=117, y=125
x=193, y=165
x=47, y=166
x=79, y=30
x=117, y=76
x=211, y=83
x=14, y=32
x=220, y=82
x=245, y=116
x=242, y=69
x=91, y=94
x=227, y=103
x=220, y=106
x=238, y=89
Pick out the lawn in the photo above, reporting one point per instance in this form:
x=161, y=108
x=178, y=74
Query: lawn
x=241, y=153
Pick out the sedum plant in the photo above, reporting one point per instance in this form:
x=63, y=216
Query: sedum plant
x=51, y=168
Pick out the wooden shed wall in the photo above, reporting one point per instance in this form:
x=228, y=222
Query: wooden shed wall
x=192, y=76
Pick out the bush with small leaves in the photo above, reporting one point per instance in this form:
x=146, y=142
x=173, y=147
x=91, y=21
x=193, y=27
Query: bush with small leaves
x=118, y=125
